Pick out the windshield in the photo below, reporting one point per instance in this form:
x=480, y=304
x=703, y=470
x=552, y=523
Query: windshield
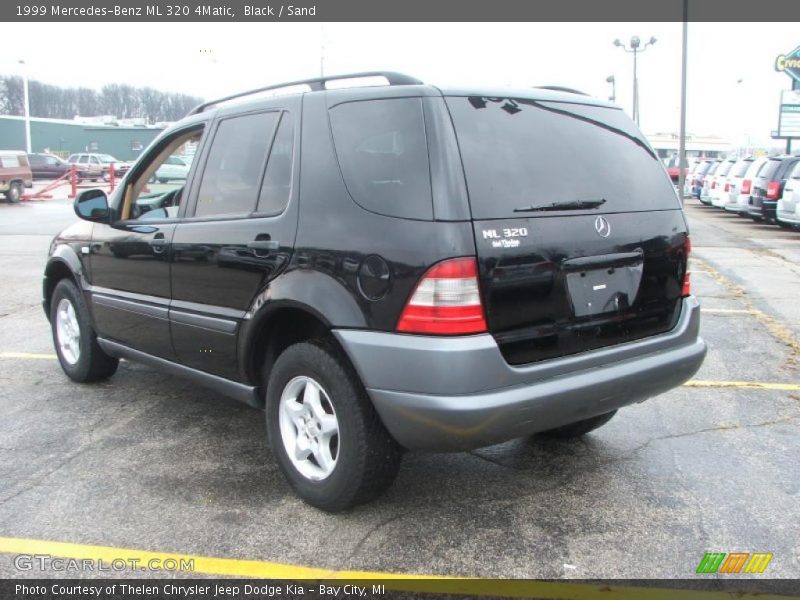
x=521, y=153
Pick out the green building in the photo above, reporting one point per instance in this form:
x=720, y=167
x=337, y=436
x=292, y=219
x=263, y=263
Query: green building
x=64, y=137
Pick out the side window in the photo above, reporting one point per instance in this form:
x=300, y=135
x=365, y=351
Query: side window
x=83, y=159
x=277, y=186
x=383, y=154
x=235, y=163
x=9, y=161
x=156, y=190
x=50, y=161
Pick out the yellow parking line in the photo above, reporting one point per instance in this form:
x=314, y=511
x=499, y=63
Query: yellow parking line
x=30, y=355
x=751, y=385
x=230, y=567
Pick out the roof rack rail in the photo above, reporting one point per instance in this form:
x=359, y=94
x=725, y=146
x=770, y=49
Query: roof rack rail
x=561, y=88
x=316, y=84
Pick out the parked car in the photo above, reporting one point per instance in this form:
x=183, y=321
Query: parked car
x=730, y=190
x=745, y=187
x=174, y=168
x=47, y=166
x=89, y=166
x=15, y=174
x=718, y=190
x=706, y=182
x=768, y=187
x=787, y=210
x=96, y=166
x=694, y=180
x=673, y=171
x=366, y=301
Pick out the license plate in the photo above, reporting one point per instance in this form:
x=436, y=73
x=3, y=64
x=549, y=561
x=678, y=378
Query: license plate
x=606, y=290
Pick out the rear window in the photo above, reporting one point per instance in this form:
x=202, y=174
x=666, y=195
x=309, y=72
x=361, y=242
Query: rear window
x=519, y=153
x=724, y=168
x=740, y=168
x=383, y=155
x=770, y=168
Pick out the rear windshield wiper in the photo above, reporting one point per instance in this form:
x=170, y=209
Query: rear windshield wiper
x=566, y=205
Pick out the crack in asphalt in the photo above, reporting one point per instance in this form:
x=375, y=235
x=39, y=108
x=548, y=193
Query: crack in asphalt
x=782, y=420
x=380, y=525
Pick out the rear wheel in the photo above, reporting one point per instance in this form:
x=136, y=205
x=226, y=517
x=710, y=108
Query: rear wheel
x=579, y=428
x=326, y=436
x=80, y=356
x=14, y=193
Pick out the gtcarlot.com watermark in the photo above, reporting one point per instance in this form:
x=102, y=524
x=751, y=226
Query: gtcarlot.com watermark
x=46, y=562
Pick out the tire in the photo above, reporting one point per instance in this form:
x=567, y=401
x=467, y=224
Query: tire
x=579, y=428
x=14, y=193
x=366, y=457
x=88, y=362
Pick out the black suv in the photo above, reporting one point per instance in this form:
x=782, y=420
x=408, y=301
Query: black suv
x=389, y=267
x=768, y=188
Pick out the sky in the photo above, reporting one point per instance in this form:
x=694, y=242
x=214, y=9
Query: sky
x=733, y=89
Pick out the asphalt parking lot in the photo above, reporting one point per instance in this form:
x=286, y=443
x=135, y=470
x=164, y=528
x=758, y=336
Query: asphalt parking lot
x=149, y=462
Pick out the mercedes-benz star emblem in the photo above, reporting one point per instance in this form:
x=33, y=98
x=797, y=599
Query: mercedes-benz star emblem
x=602, y=227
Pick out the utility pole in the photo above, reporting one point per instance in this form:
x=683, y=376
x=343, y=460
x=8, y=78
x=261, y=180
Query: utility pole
x=27, y=107
x=682, y=149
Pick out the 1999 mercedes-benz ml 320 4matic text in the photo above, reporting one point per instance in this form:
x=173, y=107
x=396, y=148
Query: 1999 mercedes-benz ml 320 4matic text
x=389, y=267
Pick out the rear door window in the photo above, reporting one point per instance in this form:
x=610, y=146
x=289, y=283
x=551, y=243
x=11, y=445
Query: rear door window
x=9, y=161
x=520, y=153
x=235, y=164
x=383, y=155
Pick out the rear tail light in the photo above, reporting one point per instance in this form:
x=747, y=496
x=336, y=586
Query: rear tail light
x=727, y=187
x=713, y=185
x=446, y=301
x=773, y=189
x=686, y=289
x=746, y=185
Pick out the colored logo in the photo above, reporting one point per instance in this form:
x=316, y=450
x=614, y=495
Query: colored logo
x=789, y=64
x=735, y=562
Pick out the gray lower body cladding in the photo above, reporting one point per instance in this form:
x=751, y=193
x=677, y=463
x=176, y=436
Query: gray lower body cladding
x=459, y=393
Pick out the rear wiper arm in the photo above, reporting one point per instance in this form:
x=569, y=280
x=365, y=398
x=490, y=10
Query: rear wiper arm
x=566, y=205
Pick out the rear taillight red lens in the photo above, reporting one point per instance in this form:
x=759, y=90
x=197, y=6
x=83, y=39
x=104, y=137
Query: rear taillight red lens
x=446, y=301
x=713, y=185
x=773, y=189
x=746, y=185
x=686, y=289
x=727, y=187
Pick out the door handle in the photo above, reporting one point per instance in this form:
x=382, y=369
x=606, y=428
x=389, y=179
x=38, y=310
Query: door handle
x=264, y=245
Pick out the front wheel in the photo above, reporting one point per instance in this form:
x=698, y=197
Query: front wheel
x=80, y=356
x=579, y=428
x=326, y=436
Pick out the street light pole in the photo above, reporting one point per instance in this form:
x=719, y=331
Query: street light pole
x=635, y=47
x=27, y=107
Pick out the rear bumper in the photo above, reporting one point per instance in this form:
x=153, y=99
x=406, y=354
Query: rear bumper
x=459, y=393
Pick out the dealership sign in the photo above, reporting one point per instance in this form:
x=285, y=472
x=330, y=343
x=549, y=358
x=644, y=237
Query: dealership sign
x=789, y=117
x=789, y=64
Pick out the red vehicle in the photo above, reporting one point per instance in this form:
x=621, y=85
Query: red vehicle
x=15, y=174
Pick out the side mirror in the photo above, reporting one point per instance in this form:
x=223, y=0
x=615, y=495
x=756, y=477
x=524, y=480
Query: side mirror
x=92, y=205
